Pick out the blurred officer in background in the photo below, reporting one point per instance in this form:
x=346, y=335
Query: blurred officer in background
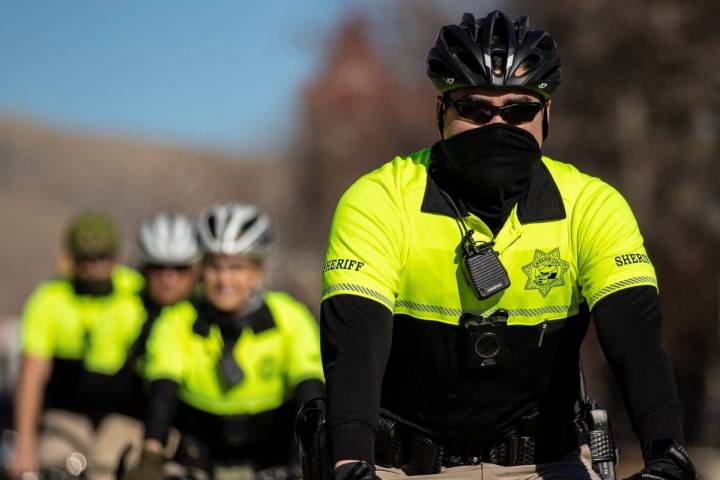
x=459, y=282
x=228, y=370
x=56, y=325
x=169, y=254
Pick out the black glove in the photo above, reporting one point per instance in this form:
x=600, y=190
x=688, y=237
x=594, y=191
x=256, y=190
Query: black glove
x=355, y=471
x=149, y=468
x=666, y=460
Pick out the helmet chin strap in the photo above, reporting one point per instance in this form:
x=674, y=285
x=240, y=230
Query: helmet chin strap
x=441, y=118
x=545, y=123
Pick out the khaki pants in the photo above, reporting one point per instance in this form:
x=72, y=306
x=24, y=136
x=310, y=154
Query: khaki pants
x=68, y=440
x=573, y=467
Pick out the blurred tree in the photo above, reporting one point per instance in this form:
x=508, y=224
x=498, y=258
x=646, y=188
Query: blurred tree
x=638, y=107
x=356, y=116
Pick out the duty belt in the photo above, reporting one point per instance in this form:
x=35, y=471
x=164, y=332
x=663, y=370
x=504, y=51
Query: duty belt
x=513, y=450
x=417, y=451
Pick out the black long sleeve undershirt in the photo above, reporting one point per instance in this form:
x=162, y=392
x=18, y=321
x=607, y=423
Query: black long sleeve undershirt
x=629, y=328
x=357, y=334
x=162, y=406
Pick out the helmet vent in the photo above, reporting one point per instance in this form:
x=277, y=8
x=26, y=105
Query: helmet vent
x=526, y=66
x=521, y=25
x=469, y=24
x=212, y=225
x=498, y=65
x=499, y=37
x=440, y=69
x=247, y=226
x=469, y=61
x=546, y=44
x=499, y=47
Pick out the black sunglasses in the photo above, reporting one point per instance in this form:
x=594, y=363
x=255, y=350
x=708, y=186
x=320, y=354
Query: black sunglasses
x=482, y=112
x=176, y=268
x=92, y=258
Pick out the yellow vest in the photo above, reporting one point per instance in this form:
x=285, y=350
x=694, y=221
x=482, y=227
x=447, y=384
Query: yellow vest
x=571, y=239
x=275, y=357
x=57, y=323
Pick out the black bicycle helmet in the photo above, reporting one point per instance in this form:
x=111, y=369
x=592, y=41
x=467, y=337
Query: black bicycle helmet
x=494, y=52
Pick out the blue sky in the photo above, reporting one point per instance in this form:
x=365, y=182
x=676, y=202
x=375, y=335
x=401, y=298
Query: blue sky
x=211, y=73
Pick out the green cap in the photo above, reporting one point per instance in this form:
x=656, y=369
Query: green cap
x=92, y=234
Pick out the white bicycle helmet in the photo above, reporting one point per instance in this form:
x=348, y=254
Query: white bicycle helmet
x=235, y=229
x=168, y=239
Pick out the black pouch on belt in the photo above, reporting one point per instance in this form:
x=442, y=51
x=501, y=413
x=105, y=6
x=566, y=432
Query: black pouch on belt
x=403, y=445
x=424, y=456
x=388, y=444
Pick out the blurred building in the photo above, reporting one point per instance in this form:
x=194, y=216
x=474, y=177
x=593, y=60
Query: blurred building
x=356, y=116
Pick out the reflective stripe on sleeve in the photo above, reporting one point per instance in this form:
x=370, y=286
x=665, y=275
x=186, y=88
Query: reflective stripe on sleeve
x=644, y=280
x=353, y=288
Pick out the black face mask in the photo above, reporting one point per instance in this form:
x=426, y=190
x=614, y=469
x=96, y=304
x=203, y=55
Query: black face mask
x=491, y=158
x=97, y=288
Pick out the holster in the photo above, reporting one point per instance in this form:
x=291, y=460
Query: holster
x=312, y=439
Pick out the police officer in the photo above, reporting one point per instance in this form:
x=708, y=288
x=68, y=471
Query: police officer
x=228, y=369
x=57, y=322
x=459, y=281
x=169, y=254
